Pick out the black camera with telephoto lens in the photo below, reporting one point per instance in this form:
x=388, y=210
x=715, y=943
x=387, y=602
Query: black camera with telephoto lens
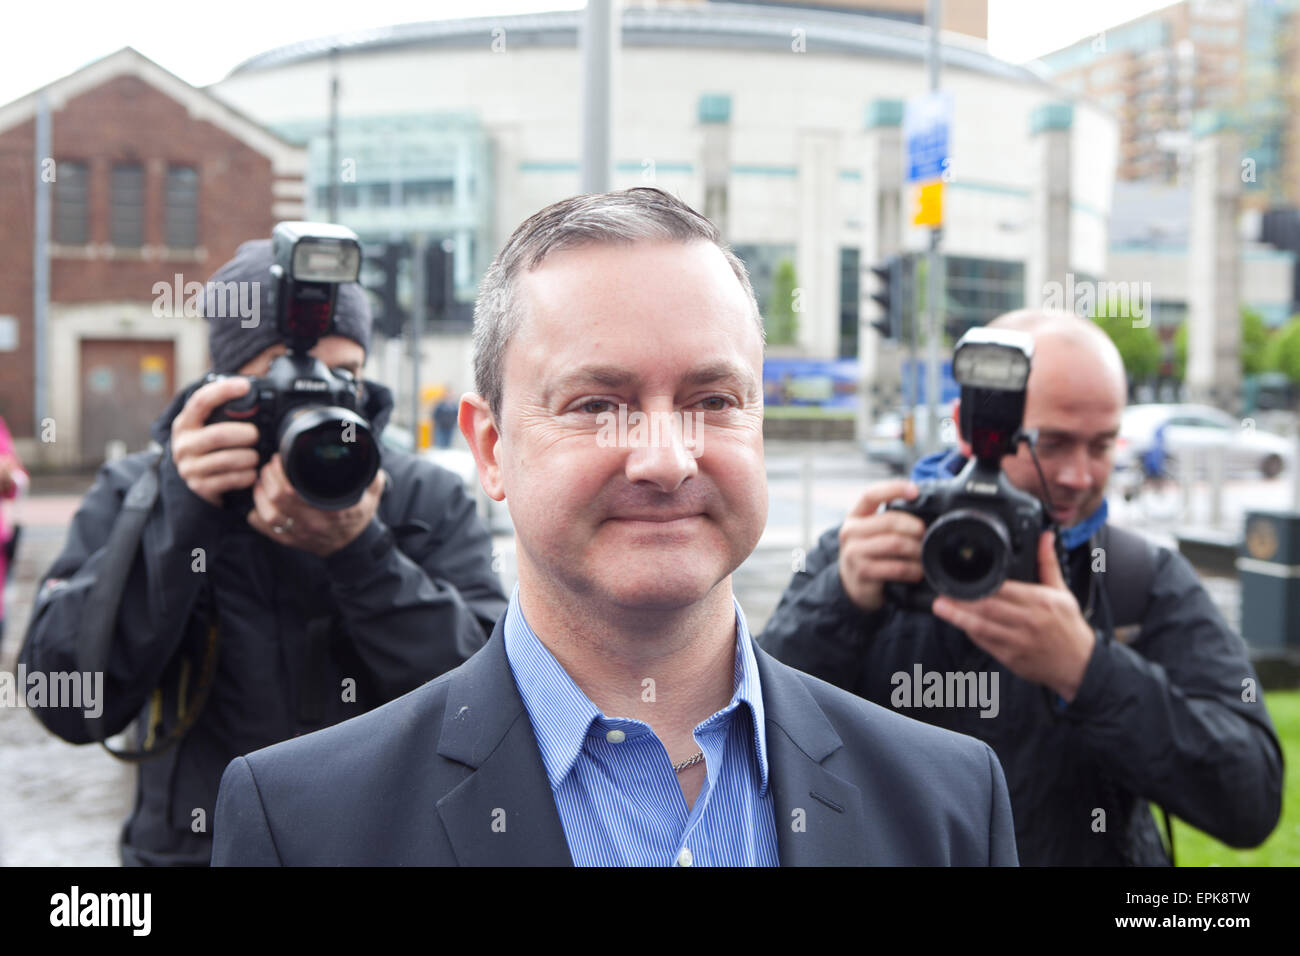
x=981, y=530
x=308, y=412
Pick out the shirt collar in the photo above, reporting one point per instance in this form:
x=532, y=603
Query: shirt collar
x=562, y=715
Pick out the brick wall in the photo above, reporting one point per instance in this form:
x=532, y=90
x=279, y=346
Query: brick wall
x=125, y=119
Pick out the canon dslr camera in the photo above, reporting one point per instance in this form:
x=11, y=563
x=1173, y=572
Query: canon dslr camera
x=309, y=413
x=981, y=529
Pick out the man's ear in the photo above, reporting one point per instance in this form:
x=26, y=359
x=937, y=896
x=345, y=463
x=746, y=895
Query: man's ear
x=480, y=431
x=962, y=444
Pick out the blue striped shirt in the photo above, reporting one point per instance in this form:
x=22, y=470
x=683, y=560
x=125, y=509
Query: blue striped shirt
x=614, y=786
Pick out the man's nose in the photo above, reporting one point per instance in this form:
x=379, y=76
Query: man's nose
x=659, y=453
x=1074, y=471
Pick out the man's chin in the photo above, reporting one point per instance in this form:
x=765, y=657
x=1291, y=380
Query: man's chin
x=659, y=589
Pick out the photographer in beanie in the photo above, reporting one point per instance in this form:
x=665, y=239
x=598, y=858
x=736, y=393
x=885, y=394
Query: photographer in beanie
x=243, y=625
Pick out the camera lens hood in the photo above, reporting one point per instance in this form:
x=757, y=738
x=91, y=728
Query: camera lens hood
x=965, y=554
x=330, y=455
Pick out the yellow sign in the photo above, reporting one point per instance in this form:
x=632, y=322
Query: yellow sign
x=929, y=204
x=1261, y=539
x=153, y=363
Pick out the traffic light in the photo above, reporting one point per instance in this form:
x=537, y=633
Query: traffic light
x=438, y=280
x=383, y=269
x=892, y=295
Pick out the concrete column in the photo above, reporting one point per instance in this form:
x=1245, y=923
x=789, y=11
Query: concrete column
x=1048, y=259
x=879, y=370
x=817, y=256
x=714, y=114
x=1214, y=266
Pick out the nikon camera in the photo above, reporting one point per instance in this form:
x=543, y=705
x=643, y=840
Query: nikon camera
x=981, y=530
x=309, y=413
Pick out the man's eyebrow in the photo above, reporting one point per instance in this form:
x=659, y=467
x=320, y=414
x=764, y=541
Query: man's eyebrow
x=609, y=376
x=615, y=376
x=721, y=372
x=1059, y=433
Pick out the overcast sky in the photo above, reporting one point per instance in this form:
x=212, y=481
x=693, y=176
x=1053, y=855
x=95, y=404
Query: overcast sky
x=201, y=43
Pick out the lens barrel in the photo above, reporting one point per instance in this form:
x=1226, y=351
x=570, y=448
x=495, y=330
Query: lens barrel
x=330, y=455
x=965, y=554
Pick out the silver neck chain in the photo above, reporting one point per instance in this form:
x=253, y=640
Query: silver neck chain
x=679, y=767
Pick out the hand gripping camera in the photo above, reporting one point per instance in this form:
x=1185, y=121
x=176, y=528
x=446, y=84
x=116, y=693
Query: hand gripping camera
x=302, y=408
x=981, y=529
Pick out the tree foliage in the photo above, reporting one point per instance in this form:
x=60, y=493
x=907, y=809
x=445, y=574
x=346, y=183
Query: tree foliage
x=1282, y=353
x=782, y=319
x=1259, y=346
x=1138, y=346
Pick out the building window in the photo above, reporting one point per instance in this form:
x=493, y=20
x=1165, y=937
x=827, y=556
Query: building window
x=979, y=290
x=127, y=212
x=71, y=194
x=182, y=207
x=429, y=192
x=771, y=271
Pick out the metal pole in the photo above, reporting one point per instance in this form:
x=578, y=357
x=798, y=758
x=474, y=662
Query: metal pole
x=41, y=264
x=1217, y=473
x=914, y=374
x=1295, y=471
x=599, y=41
x=334, y=135
x=418, y=285
x=935, y=257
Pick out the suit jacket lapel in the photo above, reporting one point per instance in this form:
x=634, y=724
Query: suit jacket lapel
x=502, y=814
x=819, y=816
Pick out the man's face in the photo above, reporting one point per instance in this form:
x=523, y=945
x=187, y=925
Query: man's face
x=1075, y=401
x=336, y=351
x=660, y=328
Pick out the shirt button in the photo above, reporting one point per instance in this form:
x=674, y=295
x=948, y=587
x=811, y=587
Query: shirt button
x=616, y=736
x=684, y=858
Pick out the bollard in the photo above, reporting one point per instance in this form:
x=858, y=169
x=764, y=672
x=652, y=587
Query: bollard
x=1216, y=456
x=1186, y=476
x=807, y=474
x=1269, y=569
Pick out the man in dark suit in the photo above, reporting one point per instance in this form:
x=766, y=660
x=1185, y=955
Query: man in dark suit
x=620, y=713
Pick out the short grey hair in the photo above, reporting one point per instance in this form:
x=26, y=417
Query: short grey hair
x=627, y=216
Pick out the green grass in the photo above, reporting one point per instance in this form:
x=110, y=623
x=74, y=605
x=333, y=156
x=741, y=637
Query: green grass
x=1282, y=848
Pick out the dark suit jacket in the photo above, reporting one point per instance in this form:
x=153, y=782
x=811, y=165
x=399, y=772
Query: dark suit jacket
x=450, y=774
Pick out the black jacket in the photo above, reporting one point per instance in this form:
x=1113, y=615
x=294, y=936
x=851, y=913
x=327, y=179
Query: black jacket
x=1158, y=717
x=412, y=597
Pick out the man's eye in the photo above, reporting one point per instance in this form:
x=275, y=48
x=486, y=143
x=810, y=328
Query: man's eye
x=715, y=403
x=596, y=405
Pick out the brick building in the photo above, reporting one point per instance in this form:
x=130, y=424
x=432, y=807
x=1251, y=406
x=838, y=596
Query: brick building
x=149, y=179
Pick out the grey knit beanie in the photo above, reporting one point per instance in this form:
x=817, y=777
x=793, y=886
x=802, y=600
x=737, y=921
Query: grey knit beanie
x=234, y=337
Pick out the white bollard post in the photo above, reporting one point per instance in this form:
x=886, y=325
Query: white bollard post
x=807, y=474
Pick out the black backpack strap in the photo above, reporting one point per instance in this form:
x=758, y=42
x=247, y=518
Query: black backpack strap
x=100, y=617
x=1129, y=576
x=1130, y=573
x=100, y=622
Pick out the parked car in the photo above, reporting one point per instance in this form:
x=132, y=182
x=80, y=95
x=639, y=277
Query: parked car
x=459, y=461
x=886, y=443
x=1200, y=428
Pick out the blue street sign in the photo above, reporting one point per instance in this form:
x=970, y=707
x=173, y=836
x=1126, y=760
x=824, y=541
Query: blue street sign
x=926, y=121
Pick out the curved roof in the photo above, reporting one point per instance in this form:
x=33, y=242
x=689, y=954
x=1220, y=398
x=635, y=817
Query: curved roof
x=708, y=25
